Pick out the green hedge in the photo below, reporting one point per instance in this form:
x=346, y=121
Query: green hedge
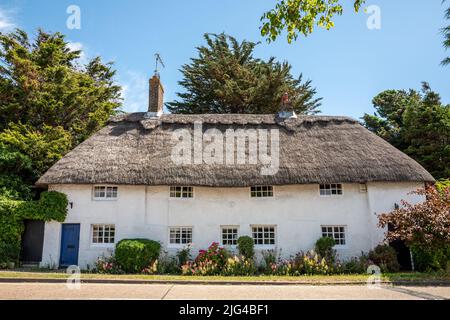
x=133, y=255
x=52, y=205
x=245, y=245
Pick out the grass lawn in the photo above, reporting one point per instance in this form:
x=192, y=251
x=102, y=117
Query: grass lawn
x=317, y=279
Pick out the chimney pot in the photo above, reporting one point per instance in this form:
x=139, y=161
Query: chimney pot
x=286, y=109
x=156, y=96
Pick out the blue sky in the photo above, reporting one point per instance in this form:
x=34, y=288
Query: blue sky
x=348, y=65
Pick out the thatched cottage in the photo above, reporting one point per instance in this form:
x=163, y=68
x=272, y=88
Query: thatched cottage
x=330, y=178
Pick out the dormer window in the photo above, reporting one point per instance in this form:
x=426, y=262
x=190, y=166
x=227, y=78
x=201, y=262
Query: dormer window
x=261, y=191
x=181, y=192
x=105, y=192
x=330, y=189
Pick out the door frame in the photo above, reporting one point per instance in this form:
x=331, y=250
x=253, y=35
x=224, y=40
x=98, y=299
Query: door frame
x=36, y=246
x=61, y=242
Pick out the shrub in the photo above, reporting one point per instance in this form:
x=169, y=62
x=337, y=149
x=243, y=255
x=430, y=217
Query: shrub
x=51, y=205
x=324, y=247
x=245, y=245
x=431, y=259
x=184, y=255
x=355, y=265
x=152, y=268
x=167, y=264
x=133, y=255
x=208, y=262
x=303, y=263
x=9, y=252
x=107, y=265
x=239, y=266
x=311, y=263
x=385, y=257
x=270, y=259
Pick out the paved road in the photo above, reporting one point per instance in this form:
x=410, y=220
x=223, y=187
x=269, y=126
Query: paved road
x=254, y=292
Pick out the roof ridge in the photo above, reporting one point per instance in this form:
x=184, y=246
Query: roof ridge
x=227, y=118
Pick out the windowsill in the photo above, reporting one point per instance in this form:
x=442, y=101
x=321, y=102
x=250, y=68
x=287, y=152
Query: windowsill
x=102, y=245
x=331, y=195
x=229, y=246
x=265, y=246
x=104, y=199
x=178, y=245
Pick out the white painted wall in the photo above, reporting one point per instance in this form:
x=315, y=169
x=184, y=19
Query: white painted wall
x=297, y=211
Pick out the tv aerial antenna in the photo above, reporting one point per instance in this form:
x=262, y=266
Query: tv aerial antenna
x=159, y=60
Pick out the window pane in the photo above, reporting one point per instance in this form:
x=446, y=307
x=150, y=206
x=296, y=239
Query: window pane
x=261, y=191
x=103, y=233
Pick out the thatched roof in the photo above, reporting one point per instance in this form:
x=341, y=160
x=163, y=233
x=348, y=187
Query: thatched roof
x=135, y=149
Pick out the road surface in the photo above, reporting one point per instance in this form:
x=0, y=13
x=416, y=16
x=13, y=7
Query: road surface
x=188, y=291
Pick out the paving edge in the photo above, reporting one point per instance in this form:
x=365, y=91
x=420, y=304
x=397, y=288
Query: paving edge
x=223, y=282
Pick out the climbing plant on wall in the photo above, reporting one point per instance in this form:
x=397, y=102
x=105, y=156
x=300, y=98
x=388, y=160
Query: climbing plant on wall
x=52, y=205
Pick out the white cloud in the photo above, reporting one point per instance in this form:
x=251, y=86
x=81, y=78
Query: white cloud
x=134, y=91
x=74, y=46
x=6, y=20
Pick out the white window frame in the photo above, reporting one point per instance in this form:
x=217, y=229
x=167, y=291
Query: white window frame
x=172, y=193
x=105, y=198
x=181, y=228
x=331, y=189
x=270, y=190
x=333, y=232
x=221, y=235
x=363, y=187
x=275, y=240
x=103, y=244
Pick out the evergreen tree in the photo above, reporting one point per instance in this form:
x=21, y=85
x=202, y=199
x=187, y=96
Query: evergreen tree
x=226, y=78
x=49, y=103
x=416, y=123
x=446, y=33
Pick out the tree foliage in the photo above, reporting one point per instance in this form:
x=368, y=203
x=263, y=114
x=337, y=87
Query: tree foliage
x=446, y=33
x=226, y=78
x=424, y=226
x=299, y=17
x=49, y=103
x=51, y=206
x=416, y=123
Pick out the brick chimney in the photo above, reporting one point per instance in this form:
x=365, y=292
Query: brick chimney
x=286, y=109
x=155, y=96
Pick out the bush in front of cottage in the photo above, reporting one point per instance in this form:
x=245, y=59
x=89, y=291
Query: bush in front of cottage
x=134, y=255
x=245, y=245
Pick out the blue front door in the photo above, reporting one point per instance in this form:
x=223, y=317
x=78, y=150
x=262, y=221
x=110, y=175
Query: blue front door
x=70, y=239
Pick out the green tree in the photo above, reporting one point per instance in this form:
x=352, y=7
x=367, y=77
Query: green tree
x=49, y=103
x=416, y=123
x=423, y=226
x=446, y=33
x=41, y=83
x=301, y=16
x=226, y=78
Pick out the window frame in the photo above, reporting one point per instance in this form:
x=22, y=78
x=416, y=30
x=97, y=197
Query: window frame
x=105, y=198
x=362, y=187
x=275, y=235
x=271, y=191
x=331, y=189
x=344, y=232
x=103, y=244
x=181, y=192
x=178, y=245
x=222, y=227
